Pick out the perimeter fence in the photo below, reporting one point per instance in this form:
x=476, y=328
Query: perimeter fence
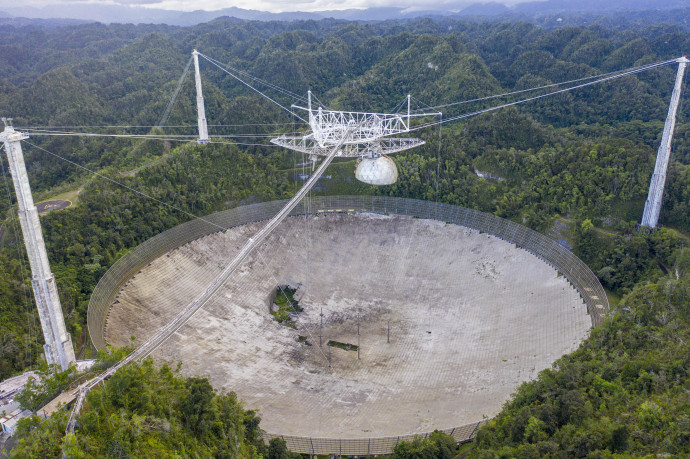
x=543, y=247
x=374, y=446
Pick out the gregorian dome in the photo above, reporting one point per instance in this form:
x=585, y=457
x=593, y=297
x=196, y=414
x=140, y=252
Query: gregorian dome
x=377, y=171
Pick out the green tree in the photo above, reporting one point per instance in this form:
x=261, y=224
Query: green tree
x=277, y=449
x=436, y=446
x=197, y=408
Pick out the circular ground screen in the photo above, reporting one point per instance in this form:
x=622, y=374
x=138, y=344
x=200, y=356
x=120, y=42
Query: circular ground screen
x=359, y=325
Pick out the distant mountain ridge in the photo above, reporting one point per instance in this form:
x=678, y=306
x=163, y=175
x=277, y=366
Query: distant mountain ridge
x=594, y=6
x=113, y=13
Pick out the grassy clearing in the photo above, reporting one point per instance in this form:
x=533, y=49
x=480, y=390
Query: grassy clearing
x=285, y=305
x=70, y=194
x=678, y=233
x=614, y=298
x=343, y=346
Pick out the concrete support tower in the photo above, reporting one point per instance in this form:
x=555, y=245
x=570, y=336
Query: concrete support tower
x=58, y=347
x=203, y=127
x=652, y=207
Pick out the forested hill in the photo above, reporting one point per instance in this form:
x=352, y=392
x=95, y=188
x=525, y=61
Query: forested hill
x=575, y=166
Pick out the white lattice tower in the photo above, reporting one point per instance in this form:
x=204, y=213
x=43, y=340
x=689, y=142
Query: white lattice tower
x=652, y=207
x=58, y=343
x=201, y=111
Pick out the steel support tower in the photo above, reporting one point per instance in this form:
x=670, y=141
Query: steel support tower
x=203, y=127
x=652, y=206
x=58, y=347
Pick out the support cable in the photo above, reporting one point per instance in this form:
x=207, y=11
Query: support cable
x=153, y=136
x=438, y=159
x=319, y=101
x=610, y=75
x=165, y=332
x=141, y=193
x=168, y=108
x=257, y=79
x=128, y=126
x=577, y=80
x=185, y=139
x=497, y=107
x=252, y=87
x=97, y=134
x=400, y=105
x=427, y=106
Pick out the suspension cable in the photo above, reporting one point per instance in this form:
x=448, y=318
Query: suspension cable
x=626, y=72
x=399, y=106
x=181, y=138
x=608, y=76
x=127, y=126
x=141, y=193
x=258, y=80
x=478, y=112
x=153, y=136
x=438, y=159
x=169, y=107
x=319, y=101
x=252, y=87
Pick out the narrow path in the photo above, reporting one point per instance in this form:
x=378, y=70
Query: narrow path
x=135, y=171
x=679, y=233
x=569, y=222
x=82, y=343
x=168, y=151
x=676, y=232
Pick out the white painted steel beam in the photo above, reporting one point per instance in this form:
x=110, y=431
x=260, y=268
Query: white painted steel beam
x=362, y=134
x=383, y=146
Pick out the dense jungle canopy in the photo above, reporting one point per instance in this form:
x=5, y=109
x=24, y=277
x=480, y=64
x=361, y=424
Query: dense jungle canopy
x=575, y=166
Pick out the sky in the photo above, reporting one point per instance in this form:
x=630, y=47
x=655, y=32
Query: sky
x=275, y=6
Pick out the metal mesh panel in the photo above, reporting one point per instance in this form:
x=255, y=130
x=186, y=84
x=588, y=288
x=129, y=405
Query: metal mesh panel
x=543, y=247
x=365, y=446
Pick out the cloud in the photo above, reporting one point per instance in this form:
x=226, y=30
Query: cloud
x=275, y=6
x=55, y=3
x=278, y=6
x=136, y=2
